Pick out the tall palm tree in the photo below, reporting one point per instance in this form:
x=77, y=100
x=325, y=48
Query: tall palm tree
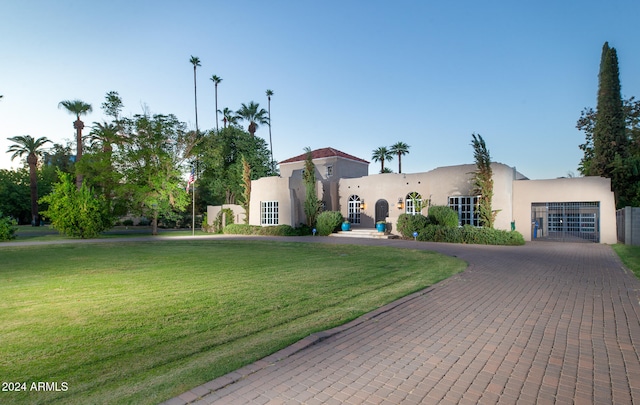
x=216, y=80
x=228, y=117
x=25, y=144
x=77, y=108
x=269, y=94
x=380, y=155
x=400, y=149
x=195, y=61
x=254, y=114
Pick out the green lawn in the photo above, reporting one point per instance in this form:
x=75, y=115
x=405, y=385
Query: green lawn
x=630, y=256
x=28, y=233
x=141, y=322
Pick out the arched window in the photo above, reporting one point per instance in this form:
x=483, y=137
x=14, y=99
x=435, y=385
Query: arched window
x=413, y=203
x=353, y=209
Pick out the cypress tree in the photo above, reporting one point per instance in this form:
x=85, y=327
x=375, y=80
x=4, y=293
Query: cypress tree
x=609, y=137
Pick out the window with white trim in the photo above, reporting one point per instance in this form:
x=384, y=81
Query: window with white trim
x=268, y=213
x=329, y=171
x=411, y=200
x=465, y=206
x=354, y=207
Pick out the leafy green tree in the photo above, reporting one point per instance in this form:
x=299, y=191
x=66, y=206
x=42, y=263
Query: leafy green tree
x=483, y=181
x=112, y=105
x=254, y=114
x=380, y=155
x=195, y=61
x=400, y=149
x=15, y=191
x=216, y=81
x=151, y=163
x=77, y=108
x=61, y=157
x=312, y=205
x=27, y=145
x=221, y=161
x=97, y=166
x=77, y=212
x=14, y=194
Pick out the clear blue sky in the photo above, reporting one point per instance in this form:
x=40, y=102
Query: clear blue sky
x=353, y=75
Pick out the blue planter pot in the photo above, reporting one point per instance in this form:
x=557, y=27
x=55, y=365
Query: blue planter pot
x=346, y=226
x=381, y=227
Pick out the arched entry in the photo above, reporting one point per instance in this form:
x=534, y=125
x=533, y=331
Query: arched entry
x=382, y=210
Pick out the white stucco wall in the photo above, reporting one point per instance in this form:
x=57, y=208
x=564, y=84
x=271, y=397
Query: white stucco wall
x=578, y=189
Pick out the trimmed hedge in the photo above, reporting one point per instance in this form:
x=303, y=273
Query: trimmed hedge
x=328, y=222
x=427, y=232
x=442, y=215
x=407, y=224
x=276, y=230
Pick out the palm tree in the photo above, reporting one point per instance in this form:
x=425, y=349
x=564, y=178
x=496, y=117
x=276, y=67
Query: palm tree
x=400, y=149
x=104, y=135
x=25, y=144
x=269, y=94
x=254, y=114
x=78, y=108
x=216, y=80
x=228, y=117
x=380, y=155
x=195, y=61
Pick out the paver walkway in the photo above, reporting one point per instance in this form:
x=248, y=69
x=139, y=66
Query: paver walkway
x=542, y=323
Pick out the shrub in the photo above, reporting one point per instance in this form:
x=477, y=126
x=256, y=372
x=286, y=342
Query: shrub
x=77, y=212
x=443, y=215
x=277, y=230
x=328, y=221
x=407, y=224
x=7, y=228
x=127, y=222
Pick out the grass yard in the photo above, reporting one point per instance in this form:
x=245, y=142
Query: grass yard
x=28, y=233
x=630, y=256
x=141, y=322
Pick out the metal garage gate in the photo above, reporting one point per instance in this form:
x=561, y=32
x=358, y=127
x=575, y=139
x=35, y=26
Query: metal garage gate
x=566, y=221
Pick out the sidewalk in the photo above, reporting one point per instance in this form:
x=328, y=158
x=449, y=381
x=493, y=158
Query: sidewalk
x=540, y=323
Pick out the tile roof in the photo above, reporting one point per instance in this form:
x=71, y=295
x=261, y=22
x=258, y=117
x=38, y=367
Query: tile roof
x=324, y=153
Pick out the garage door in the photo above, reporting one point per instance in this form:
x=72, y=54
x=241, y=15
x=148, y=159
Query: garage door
x=566, y=221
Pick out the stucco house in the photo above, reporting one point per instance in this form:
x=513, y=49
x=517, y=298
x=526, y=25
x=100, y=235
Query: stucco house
x=565, y=209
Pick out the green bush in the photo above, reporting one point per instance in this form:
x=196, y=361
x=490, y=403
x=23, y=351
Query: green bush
x=442, y=215
x=407, y=224
x=7, y=228
x=328, y=222
x=77, y=212
x=471, y=235
x=127, y=222
x=277, y=230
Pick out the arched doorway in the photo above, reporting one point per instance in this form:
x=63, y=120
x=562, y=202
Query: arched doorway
x=382, y=210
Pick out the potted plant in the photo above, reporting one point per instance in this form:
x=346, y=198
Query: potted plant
x=346, y=225
x=381, y=226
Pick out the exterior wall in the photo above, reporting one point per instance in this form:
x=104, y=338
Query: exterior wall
x=436, y=185
x=579, y=189
x=213, y=211
x=290, y=194
x=342, y=168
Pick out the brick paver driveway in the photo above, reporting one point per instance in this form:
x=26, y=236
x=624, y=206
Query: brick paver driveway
x=541, y=323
